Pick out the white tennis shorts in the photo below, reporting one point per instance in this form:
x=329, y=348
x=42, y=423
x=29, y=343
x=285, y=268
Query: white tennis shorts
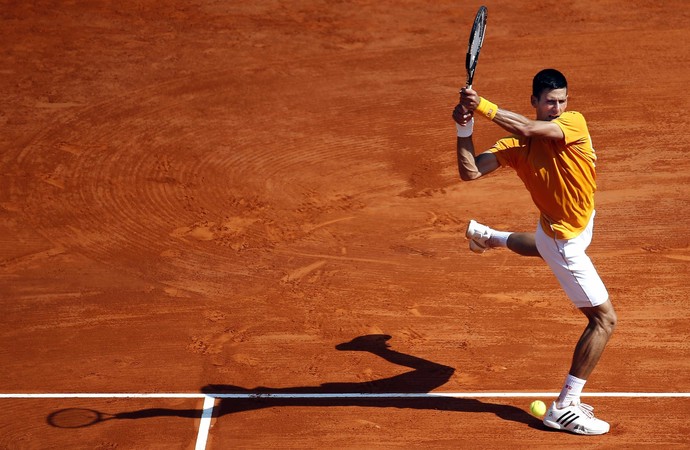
x=572, y=267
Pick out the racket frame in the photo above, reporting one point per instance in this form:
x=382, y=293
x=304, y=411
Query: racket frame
x=478, y=32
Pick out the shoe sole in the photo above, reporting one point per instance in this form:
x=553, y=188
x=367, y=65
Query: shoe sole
x=557, y=426
x=476, y=247
x=467, y=231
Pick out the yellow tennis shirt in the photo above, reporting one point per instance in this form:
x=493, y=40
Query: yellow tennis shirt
x=559, y=174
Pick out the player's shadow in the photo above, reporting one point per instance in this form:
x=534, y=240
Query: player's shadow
x=424, y=378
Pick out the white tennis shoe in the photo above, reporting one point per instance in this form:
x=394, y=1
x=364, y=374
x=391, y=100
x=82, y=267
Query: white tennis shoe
x=577, y=418
x=478, y=235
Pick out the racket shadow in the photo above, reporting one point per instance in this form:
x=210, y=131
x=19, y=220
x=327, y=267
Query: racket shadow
x=84, y=417
x=424, y=377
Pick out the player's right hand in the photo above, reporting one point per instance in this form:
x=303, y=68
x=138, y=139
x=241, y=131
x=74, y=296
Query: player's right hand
x=469, y=98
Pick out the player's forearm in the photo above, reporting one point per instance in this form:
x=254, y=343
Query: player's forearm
x=513, y=123
x=467, y=165
x=518, y=124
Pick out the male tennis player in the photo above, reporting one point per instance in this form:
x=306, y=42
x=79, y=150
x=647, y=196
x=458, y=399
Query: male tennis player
x=554, y=158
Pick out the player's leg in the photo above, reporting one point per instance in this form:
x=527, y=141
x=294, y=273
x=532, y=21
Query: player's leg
x=523, y=244
x=581, y=282
x=567, y=412
x=602, y=322
x=483, y=238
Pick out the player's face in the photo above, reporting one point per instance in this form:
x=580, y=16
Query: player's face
x=550, y=104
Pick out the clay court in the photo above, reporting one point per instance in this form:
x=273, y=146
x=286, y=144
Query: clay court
x=240, y=225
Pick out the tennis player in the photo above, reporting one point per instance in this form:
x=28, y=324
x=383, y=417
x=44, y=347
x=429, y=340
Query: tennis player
x=554, y=158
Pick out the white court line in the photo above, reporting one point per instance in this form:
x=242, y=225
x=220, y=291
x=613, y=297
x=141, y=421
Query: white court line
x=279, y=395
x=205, y=425
x=107, y=395
x=450, y=394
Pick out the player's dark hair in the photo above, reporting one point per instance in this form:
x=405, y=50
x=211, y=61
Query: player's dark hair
x=548, y=79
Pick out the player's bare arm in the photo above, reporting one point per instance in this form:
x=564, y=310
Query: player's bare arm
x=471, y=167
x=520, y=125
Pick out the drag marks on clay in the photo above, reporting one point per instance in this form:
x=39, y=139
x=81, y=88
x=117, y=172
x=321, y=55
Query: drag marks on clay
x=680, y=254
x=122, y=194
x=33, y=259
x=405, y=249
x=300, y=273
x=174, y=292
x=678, y=257
x=208, y=231
x=134, y=173
x=343, y=258
x=219, y=341
x=308, y=228
x=531, y=299
x=440, y=226
x=49, y=105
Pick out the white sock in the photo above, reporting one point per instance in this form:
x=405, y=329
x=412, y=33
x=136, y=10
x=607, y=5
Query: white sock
x=499, y=238
x=572, y=389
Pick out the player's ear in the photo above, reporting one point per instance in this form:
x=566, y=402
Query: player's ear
x=534, y=100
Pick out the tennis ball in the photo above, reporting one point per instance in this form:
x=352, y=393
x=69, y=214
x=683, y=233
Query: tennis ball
x=537, y=408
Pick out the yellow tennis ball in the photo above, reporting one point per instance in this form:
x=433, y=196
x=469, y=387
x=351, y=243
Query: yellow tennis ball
x=538, y=409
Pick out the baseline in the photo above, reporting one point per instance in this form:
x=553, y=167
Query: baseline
x=342, y=395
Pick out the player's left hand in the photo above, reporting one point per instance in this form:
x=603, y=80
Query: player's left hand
x=461, y=115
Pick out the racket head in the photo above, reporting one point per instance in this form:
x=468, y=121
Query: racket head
x=475, y=43
x=74, y=418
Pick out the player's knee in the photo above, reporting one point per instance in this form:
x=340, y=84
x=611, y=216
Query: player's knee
x=603, y=318
x=523, y=244
x=610, y=322
x=606, y=321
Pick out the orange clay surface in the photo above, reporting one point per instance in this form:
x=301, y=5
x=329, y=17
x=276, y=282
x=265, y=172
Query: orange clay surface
x=219, y=196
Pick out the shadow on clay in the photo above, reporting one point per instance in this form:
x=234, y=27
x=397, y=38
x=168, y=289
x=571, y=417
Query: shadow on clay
x=425, y=377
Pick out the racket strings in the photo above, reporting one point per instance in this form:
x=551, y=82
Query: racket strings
x=475, y=46
x=476, y=38
x=478, y=35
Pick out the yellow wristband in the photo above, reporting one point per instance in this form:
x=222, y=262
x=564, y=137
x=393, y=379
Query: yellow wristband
x=487, y=108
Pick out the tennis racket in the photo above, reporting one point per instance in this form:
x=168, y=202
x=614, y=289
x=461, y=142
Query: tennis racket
x=476, y=41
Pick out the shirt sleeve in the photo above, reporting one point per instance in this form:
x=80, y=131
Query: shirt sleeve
x=507, y=151
x=574, y=127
